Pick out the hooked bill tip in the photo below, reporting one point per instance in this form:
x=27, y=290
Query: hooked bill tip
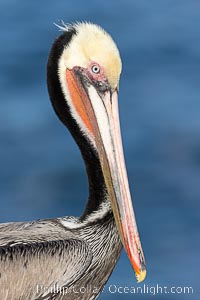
x=141, y=275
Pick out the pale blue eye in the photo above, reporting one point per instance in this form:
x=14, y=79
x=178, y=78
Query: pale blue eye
x=95, y=69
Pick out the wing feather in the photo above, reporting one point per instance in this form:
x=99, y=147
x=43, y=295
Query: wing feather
x=38, y=258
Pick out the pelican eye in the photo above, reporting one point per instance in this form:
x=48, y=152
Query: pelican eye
x=95, y=69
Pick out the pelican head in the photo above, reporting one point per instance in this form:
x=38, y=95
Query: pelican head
x=88, y=68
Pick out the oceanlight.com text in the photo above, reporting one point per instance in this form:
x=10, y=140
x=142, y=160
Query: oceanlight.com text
x=147, y=289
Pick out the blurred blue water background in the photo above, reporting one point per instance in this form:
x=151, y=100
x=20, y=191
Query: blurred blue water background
x=41, y=171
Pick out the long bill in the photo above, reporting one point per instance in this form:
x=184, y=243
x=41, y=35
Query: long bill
x=99, y=114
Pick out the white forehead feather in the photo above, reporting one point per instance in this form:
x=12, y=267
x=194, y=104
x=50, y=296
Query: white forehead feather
x=92, y=43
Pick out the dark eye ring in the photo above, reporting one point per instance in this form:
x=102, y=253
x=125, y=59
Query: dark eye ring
x=95, y=69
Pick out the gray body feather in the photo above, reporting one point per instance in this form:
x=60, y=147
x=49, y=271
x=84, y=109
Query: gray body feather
x=46, y=260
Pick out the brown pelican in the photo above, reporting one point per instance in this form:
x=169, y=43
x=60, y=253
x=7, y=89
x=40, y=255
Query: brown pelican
x=68, y=257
